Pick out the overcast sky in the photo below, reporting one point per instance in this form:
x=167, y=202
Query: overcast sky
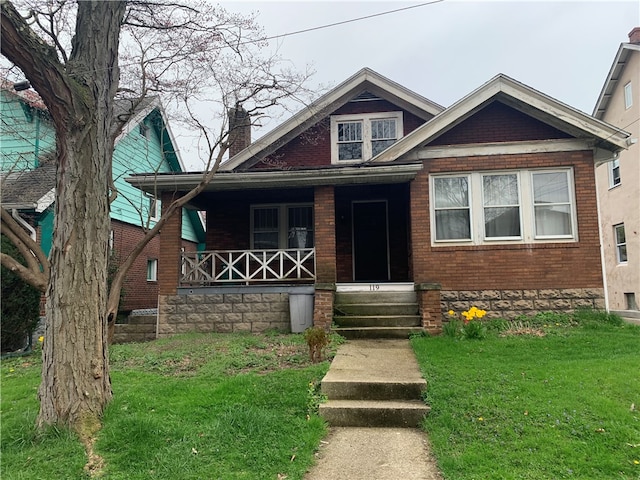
x=445, y=50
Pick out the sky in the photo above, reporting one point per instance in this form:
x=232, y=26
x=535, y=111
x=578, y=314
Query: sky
x=445, y=50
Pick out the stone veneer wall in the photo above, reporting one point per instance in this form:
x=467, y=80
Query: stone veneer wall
x=509, y=304
x=210, y=310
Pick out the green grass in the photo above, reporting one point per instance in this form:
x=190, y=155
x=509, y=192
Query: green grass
x=189, y=407
x=554, y=397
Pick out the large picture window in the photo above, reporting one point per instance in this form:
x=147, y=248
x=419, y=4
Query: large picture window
x=515, y=206
x=276, y=227
x=356, y=138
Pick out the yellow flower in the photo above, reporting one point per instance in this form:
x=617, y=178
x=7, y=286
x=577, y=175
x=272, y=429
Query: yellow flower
x=480, y=419
x=636, y=462
x=451, y=313
x=41, y=339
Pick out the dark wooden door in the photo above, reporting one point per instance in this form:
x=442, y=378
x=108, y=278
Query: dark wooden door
x=370, y=241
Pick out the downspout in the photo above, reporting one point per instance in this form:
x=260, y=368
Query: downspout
x=602, y=263
x=24, y=223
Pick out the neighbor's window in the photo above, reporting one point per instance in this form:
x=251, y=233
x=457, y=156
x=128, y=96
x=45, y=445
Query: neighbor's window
x=360, y=137
x=152, y=270
x=516, y=206
x=628, y=96
x=281, y=226
x=614, y=173
x=152, y=206
x=621, y=243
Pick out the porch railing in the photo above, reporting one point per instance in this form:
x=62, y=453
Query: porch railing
x=247, y=266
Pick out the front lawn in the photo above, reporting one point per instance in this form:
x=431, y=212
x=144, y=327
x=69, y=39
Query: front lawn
x=550, y=400
x=189, y=407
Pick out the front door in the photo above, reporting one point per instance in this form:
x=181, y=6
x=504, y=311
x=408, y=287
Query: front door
x=370, y=241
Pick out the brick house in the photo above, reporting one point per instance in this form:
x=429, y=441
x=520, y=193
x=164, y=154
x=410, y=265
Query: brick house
x=618, y=181
x=28, y=173
x=383, y=205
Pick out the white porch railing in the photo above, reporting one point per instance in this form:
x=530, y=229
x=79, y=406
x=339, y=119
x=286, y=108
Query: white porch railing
x=247, y=266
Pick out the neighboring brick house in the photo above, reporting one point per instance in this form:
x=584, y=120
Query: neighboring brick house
x=618, y=181
x=29, y=178
x=374, y=194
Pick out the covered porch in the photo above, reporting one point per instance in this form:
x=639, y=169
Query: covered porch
x=270, y=234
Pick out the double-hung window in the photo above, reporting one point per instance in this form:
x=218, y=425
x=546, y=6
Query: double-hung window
x=356, y=138
x=614, y=173
x=276, y=227
x=503, y=207
x=501, y=203
x=452, y=208
x=552, y=205
x=621, y=243
x=628, y=96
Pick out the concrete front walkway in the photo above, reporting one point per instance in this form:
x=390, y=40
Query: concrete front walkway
x=354, y=453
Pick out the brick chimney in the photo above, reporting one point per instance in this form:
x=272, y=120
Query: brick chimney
x=634, y=35
x=239, y=130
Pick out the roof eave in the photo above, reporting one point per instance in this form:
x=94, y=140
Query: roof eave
x=363, y=174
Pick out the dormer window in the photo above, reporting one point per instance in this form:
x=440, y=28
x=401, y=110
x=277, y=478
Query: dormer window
x=359, y=137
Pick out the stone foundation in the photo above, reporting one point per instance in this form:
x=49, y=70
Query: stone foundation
x=510, y=304
x=241, y=309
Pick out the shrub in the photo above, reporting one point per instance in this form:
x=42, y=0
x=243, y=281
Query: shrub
x=20, y=304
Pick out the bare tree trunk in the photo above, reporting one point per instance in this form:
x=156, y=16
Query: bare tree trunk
x=75, y=384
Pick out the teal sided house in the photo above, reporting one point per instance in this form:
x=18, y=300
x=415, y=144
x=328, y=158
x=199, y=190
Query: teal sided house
x=383, y=210
x=29, y=179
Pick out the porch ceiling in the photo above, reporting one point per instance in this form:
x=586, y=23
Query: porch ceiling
x=355, y=175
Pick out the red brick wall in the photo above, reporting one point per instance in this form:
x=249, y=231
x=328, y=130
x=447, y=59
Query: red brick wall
x=313, y=147
x=509, y=267
x=498, y=123
x=138, y=292
x=170, y=243
x=325, y=237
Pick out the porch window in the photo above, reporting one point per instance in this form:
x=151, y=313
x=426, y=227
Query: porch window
x=355, y=138
x=621, y=243
x=276, y=227
x=515, y=206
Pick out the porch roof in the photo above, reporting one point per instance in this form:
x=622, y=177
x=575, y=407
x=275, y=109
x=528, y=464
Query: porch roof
x=349, y=175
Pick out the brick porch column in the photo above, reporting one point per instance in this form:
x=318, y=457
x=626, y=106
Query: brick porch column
x=428, y=292
x=325, y=243
x=429, y=304
x=170, y=243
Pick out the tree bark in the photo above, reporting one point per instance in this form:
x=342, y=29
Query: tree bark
x=79, y=95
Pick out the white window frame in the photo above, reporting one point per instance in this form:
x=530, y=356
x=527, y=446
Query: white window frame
x=365, y=119
x=526, y=204
x=484, y=207
x=614, y=180
x=153, y=206
x=152, y=269
x=283, y=221
x=469, y=206
x=628, y=96
x=619, y=244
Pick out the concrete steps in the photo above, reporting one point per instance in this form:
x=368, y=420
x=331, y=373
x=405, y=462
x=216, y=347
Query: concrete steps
x=139, y=328
x=378, y=314
x=374, y=383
